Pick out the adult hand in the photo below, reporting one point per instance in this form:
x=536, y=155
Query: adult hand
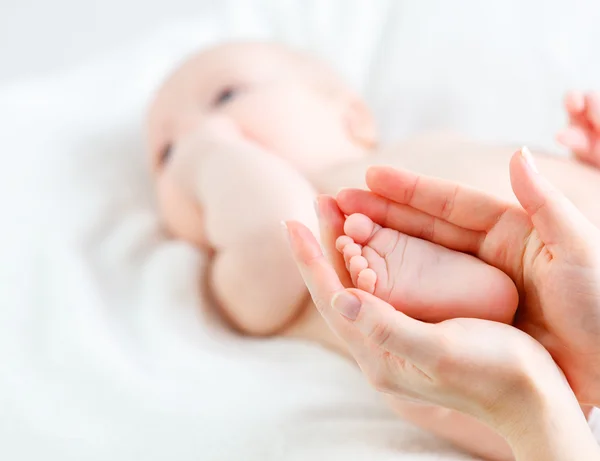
x=549, y=249
x=489, y=370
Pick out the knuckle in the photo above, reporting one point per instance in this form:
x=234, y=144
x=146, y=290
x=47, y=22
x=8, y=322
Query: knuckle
x=427, y=230
x=380, y=334
x=388, y=211
x=448, y=204
x=409, y=193
x=322, y=304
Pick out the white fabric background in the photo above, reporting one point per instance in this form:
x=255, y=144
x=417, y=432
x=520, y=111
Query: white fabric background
x=104, y=351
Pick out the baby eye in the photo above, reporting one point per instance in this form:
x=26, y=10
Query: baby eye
x=226, y=95
x=165, y=155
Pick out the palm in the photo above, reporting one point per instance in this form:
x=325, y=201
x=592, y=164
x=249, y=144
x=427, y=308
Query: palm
x=547, y=280
x=474, y=350
x=513, y=245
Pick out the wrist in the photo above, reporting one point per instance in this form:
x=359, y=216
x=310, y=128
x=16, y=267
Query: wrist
x=550, y=425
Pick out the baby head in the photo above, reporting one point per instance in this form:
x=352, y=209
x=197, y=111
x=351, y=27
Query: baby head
x=289, y=103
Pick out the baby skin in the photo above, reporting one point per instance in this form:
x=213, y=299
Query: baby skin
x=422, y=279
x=582, y=135
x=245, y=135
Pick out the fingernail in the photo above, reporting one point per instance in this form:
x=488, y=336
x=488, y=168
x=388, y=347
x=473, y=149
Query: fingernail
x=346, y=304
x=526, y=153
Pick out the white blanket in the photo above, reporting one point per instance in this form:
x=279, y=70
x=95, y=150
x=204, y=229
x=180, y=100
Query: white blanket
x=105, y=352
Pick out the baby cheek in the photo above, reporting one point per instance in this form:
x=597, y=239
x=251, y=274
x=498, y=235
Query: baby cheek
x=285, y=135
x=181, y=215
x=309, y=136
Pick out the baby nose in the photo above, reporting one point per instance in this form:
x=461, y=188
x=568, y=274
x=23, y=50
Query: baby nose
x=222, y=126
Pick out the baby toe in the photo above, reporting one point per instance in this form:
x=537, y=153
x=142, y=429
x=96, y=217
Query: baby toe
x=341, y=242
x=360, y=227
x=366, y=280
x=356, y=265
x=350, y=251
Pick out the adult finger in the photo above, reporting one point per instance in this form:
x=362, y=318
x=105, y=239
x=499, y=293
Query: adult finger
x=559, y=223
x=447, y=200
x=410, y=221
x=331, y=225
x=322, y=283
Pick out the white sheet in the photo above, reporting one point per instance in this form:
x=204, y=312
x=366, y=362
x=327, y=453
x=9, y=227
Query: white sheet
x=104, y=352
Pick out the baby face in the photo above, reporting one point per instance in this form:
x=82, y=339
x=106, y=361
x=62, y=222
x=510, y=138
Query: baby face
x=290, y=104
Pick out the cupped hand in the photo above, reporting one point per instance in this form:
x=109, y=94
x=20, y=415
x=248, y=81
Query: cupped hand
x=482, y=368
x=582, y=135
x=549, y=249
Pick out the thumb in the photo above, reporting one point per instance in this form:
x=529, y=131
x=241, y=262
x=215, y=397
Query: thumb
x=384, y=327
x=558, y=222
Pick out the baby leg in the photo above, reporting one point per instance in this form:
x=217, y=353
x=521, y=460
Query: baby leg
x=422, y=279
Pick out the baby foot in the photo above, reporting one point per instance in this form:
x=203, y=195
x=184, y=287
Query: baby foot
x=582, y=135
x=422, y=279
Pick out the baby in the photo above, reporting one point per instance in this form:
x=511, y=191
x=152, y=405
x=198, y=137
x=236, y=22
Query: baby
x=245, y=135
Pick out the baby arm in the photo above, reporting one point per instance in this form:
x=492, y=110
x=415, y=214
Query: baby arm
x=246, y=193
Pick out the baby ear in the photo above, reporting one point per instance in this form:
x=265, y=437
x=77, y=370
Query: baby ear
x=360, y=124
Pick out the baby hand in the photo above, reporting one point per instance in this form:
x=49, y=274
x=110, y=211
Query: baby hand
x=246, y=190
x=582, y=135
x=191, y=152
x=181, y=204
